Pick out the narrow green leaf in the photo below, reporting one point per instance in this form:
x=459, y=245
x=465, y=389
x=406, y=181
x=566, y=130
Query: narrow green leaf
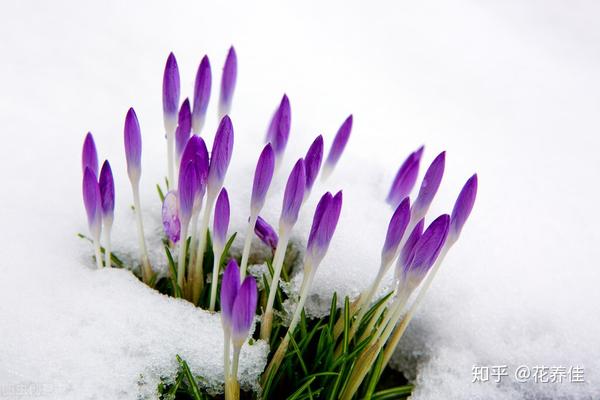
x=192, y=382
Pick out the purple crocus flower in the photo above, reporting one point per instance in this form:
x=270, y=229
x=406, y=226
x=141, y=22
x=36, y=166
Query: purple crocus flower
x=201, y=94
x=92, y=203
x=228, y=81
x=279, y=128
x=430, y=185
x=427, y=249
x=462, y=207
x=195, y=151
x=244, y=309
x=262, y=178
x=323, y=226
x=229, y=290
x=107, y=191
x=266, y=233
x=133, y=146
x=221, y=219
x=170, y=217
x=339, y=143
x=407, y=252
x=184, y=129
x=220, y=155
x=313, y=159
x=405, y=178
x=187, y=190
x=293, y=195
x=89, y=155
x=395, y=232
x=170, y=91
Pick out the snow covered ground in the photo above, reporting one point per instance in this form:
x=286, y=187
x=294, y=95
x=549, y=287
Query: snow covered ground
x=509, y=89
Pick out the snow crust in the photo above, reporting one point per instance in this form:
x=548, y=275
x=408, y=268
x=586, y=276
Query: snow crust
x=510, y=90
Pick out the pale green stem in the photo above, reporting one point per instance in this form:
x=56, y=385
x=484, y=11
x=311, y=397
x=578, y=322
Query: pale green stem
x=107, y=229
x=146, y=269
x=218, y=251
x=198, y=273
x=98, y=254
x=182, y=252
x=226, y=351
x=247, y=245
x=170, y=163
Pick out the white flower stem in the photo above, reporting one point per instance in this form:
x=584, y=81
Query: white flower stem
x=218, y=252
x=226, y=351
x=265, y=327
x=197, y=275
x=182, y=252
x=107, y=229
x=170, y=163
x=146, y=269
x=232, y=387
x=97, y=253
x=247, y=245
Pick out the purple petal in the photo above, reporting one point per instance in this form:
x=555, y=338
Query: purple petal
x=184, y=128
x=395, y=232
x=89, y=155
x=228, y=81
x=262, y=178
x=107, y=190
x=244, y=309
x=133, y=145
x=170, y=217
x=326, y=227
x=429, y=246
x=407, y=253
x=195, y=151
x=313, y=159
x=91, y=201
x=266, y=233
x=463, y=206
x=279, y=128
x=229, y=290
x=171, y=87
x=221, y=219
x=294, y=194
x=339, y=142
x=431, y=183
x=405, y=178
x=201, y=94
x=187, y=190
x=220, y=155
x=322, y=206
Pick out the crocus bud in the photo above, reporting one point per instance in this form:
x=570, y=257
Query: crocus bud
x=201, y=94
x=293, y=195
x=262, y=178
x=170, y=93
x=266, y=233
x=395, y=232
x=195, y=151
x=107, y=192
x=462, y=207
x=431, y=183
x=229, y=290
x=244, y=309
x=407, y=252
x=312, y=161
x=133, y=146
x=323, y=226
x=221, y=220
x=405, y=178
x=279, y=128
x=184, y=129
x=170, y=217
x=220, y=155
x=187, y=191
x=92, y=203
x=89, y=155
x=228, y=82
x=339, y=143
x=426, y=251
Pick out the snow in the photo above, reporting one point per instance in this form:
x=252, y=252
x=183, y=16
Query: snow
x=509, y=89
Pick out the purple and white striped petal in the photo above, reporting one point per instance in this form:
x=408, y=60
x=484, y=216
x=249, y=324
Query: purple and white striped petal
x=107, y=192
x=92, y=203
x=170, y=217
x=230, y=286
x=395, y=232
x=339, y=143
x=221, y=220
x=228, y=81
x=405, y=178
x=313, y=159
x=430, y=185
x=170, y=92
x=202, y=88
x=293, y=195
x=184, y=129
x=266, y=233
x=133, y=146
x=262, y=178
x=279, y=128
x=244, y=309
x=89, y=155
x=220, y=155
